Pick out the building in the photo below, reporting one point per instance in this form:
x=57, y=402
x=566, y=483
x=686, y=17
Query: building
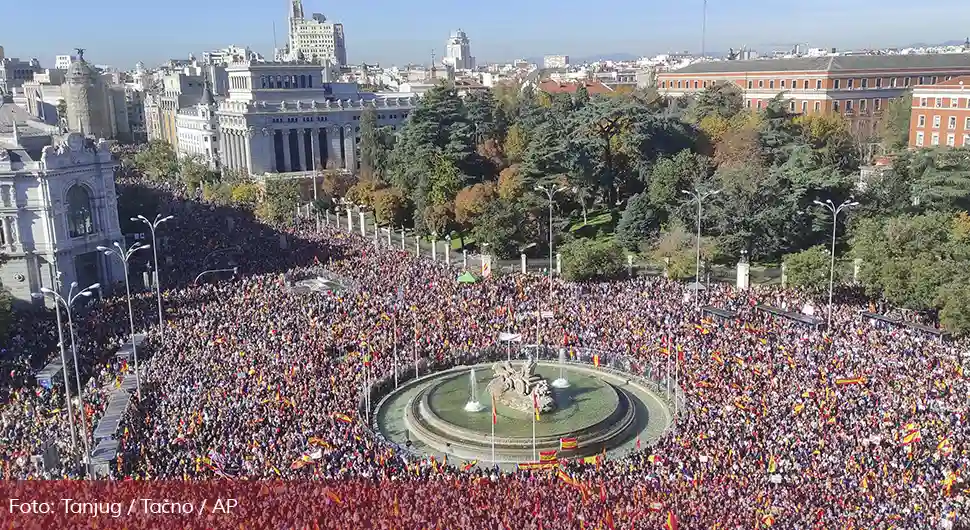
x=315, y=39
x=230, y=55
x=57, y=205
x=941, y=114
x=555, y=61
x=289, y=118
x=63, y=62
x=174, y=92
x=14, y=72
x=93, y=107
x=198, y=130
x=858, y=87
x=458, y=53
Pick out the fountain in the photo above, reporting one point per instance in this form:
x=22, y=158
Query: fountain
x=561, y=382
x=473, y=404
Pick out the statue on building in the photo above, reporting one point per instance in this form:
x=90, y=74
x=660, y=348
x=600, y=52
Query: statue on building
x=520, y=389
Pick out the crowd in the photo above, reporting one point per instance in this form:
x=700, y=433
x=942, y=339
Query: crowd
x=785, y=425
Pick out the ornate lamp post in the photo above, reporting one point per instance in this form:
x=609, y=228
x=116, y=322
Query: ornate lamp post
x=125, y=256
x=152, y=225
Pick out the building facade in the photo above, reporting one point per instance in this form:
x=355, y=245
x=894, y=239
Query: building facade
x=230, y=55
x=859, y=87
x=941, y=114
x=57, y=205
x=555, y=61
x=315, y=39
x=458, y=53
x=15, y=72
x=288, y=118
x=93, y=107
x=63, y=62
x=198, y=131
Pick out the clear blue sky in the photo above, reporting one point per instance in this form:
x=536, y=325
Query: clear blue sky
x=122, y=32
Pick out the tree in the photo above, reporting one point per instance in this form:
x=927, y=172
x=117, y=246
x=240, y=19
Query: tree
x=194, y=172
x=218, y=193
x=280, y=202
x=639, y=223
x=510, y=184
x=445, y=181
x=246, y=194
x=500, y=227
x=439, y=218
x=723, y=100
x=941, y=178
x=677, y=244
x=809, y=268
x=588, y=259
x=373, y=146
x=158, y=161
x=390, y=206
x=337, y=183
x=515, y=144
x=363, y=192
x=894, y=127
x=672, y=174
x=470, y=203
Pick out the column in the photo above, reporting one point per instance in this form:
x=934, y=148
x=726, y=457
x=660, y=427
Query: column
x=248, y=150
x=226, y=154
x=285, y=133
x=240, y=150
x=334, y=155
x=301, y=148
x=315, y=148
x=350, y=149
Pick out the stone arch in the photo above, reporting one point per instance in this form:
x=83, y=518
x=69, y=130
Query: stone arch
x=80, y=211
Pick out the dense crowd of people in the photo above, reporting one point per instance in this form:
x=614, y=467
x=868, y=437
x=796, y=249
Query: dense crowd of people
x=862, y=426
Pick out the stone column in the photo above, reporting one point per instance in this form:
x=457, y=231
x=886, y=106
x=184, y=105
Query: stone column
x=301, y=148
x=523, y=263
x=350, y=220
x=363, y=225
x=314, y=148
x=350, y=149
x=226, y=154
x=287, y=166
x=248, y=150
x=558, y=263
x=744, y=275
x=334, y=155
x=236, y=150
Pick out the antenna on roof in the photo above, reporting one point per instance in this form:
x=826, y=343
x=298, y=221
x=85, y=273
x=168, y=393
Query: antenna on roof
x=274, y=35
x=704, y=31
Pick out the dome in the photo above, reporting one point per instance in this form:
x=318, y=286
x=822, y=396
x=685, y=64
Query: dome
x=80, y=72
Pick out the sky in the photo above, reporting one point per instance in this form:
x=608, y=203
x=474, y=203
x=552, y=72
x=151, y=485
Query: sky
x=123, y=32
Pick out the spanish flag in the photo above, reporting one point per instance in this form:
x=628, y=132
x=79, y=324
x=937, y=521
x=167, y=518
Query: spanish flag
x=768, y=520
x=469, y=465
x=333, y=496
x=535, y=405
x=850, y=381
x=566, y=444
x=912, y=437
x=563, y=476
x=343, y=417
x=945, y=447
x=547, y=456
x=596, y=360
x=494, y=412
x=671, y=523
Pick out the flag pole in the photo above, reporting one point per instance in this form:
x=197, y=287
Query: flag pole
x=394, y=317
x=535, y=413
x=494, y=421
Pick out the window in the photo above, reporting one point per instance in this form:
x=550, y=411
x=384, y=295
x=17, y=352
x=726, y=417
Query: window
x=663, y=84
x=761, y=83
x=907, y=80
x=921, y=79
x=678, y=84
x=877, y=104
x=966, y=140
x=951, y=140
x=759, y=103
x=862, y=105
x=79, y=217
x=705, y=84
x=951, y=123
x=818, y=84
x=893, y=82
x=818, y=106
x=939, y=103
x=750, y=84
x=836, y=84
x=935, y=80
x=848, y=106
x=865, y=83
x=936, y=122
x=791, y=106
x=804, y=107
x=850, y=84
x=920, y=139
x=696, y=84
x=878, y=82
x=747, y=103
x=935, y=140
x=782, y=83
x=922, y=102
x=954, y=103
x=835, y=106
x=966, y=125
x=794, y=84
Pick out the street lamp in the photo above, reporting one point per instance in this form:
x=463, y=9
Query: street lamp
x=68, y=303
x=835, y=221
x=152, y=225
x=699, y=196
x=67, y=386
x=550, y=192
x=124, y=256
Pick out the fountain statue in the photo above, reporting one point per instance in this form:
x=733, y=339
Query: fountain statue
x=561, y=382
x=473, y=404
x=516, y=389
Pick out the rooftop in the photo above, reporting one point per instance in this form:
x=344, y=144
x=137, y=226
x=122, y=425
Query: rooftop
x=957, y=83
x=833, y=64
x=593, y=87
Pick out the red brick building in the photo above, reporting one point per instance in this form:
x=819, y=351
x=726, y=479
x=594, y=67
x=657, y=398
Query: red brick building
x=941, y=114
x=550, y=86
x=859, y=87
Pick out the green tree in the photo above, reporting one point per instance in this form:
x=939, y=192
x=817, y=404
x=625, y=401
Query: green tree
x=500, y=227
x=941, y=178
x=363, y=192
x=672, y=174
x=245, y=194
x=639, y=223
x=677, y=245
x=158, y=161
x=723, y=100
x=515, y=144
x=589, y=259
x=194, y=173
x=471, y=201
x=445, y=181
x=280, y=201
x=894, y=127
x=373, y=145
x=808, y=268
x=218, y=193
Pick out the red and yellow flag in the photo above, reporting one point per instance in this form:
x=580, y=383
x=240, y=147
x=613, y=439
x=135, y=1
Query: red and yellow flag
x=568, y=443
x=850, y=381
x=671, y=522
x=535, y=405
x=494, y=412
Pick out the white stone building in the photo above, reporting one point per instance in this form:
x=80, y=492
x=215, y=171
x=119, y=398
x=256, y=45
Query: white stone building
x=63, y=62
x=57, y=205
x=15, y=72
x=315, y=39
x=458, y=54
x=555, y=61
x=286, y=118
x=229, y=55
x=198, y=130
